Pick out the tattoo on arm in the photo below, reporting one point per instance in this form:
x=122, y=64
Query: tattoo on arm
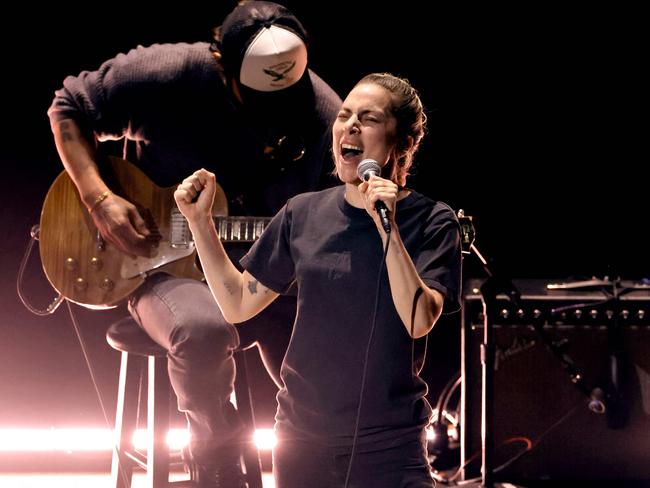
x=230, y=288
x=252, y=287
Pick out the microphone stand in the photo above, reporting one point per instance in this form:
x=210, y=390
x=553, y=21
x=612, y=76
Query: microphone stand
x=491, y=287
x=497, y=284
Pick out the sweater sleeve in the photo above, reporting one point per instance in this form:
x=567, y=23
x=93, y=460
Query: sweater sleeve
x=116, y=99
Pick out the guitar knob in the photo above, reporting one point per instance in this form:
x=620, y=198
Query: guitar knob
x=96, y=263
x=70, y=264
x=80, y=284
x=107, y=284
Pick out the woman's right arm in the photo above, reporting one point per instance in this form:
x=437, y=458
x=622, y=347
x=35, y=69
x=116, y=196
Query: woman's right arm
x=239, y=295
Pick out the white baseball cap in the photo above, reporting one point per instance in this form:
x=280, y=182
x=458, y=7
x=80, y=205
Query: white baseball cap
x=275, y=59
x=263, y=45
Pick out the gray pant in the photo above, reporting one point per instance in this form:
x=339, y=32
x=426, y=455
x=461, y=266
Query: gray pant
x=182, y=316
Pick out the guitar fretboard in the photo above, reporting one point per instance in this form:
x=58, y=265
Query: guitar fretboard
x=230, y=229
x=240, y=229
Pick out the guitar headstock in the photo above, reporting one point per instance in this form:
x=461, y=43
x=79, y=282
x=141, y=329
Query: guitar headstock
x=467, y=232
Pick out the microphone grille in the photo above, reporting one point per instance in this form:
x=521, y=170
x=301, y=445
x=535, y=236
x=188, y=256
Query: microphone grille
x=367, y=168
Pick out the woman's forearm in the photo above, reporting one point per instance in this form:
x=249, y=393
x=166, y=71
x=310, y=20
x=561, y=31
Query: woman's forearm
x=404, y=284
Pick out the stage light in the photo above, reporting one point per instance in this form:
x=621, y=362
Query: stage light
x=265, y=439
x=67, y=440
x=71, y=440
x=176, y=439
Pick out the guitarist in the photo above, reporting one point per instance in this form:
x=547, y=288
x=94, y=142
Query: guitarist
x=245, y=107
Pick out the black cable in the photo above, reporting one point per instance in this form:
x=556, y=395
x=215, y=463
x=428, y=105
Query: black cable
x=365, y=363
x=89, y=364
x=51, y=308
x=537, y=440
x=93, y=377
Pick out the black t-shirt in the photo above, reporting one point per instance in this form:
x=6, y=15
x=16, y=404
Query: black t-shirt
x=333, y=252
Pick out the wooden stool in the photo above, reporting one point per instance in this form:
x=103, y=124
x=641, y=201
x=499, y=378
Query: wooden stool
x=126, y=336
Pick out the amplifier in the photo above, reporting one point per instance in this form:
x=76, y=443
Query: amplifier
x=589, y=303
x=601, y=329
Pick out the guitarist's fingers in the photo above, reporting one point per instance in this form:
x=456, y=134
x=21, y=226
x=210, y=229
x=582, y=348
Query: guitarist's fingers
x=133, y=241
x=139, y=223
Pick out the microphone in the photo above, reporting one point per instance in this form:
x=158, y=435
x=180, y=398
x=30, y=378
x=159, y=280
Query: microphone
x=366, y=169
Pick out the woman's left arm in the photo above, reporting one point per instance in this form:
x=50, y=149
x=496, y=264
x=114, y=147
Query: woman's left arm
x=402, y=274
x=404, y=284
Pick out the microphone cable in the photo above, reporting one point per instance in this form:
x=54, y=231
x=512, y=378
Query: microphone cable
x=365, y=363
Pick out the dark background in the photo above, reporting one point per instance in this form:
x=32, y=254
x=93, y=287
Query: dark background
x=535, y=117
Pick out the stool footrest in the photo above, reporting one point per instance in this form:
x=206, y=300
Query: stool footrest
x=137, y=457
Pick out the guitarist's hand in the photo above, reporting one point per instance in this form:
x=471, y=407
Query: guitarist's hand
x=120, y=223
x=195, y=195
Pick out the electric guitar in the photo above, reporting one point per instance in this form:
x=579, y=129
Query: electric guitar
x=87, y=270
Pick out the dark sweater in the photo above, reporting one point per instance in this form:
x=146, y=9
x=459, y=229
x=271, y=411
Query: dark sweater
x=172, y=101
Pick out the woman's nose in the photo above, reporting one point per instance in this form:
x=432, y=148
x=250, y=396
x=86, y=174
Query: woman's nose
x=352, y=125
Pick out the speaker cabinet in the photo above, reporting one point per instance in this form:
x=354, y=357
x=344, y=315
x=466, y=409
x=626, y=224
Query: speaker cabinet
x=542, y=425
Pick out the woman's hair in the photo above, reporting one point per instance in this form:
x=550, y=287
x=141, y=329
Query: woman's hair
x=411, y=122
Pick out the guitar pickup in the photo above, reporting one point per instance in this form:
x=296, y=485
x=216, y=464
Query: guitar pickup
x=180, y=237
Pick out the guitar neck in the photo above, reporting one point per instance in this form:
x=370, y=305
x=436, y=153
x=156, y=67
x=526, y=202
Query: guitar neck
x=240, y=229
x=230, y=229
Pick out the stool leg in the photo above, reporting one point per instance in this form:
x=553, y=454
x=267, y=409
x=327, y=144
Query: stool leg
x=125, y=421
x=157, y=423
x=245, y=408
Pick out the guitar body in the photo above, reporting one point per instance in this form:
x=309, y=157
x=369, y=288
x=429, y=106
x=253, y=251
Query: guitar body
x=91, y=272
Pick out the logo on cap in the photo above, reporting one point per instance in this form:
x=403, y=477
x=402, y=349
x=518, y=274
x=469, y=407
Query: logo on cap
x=275, y=59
